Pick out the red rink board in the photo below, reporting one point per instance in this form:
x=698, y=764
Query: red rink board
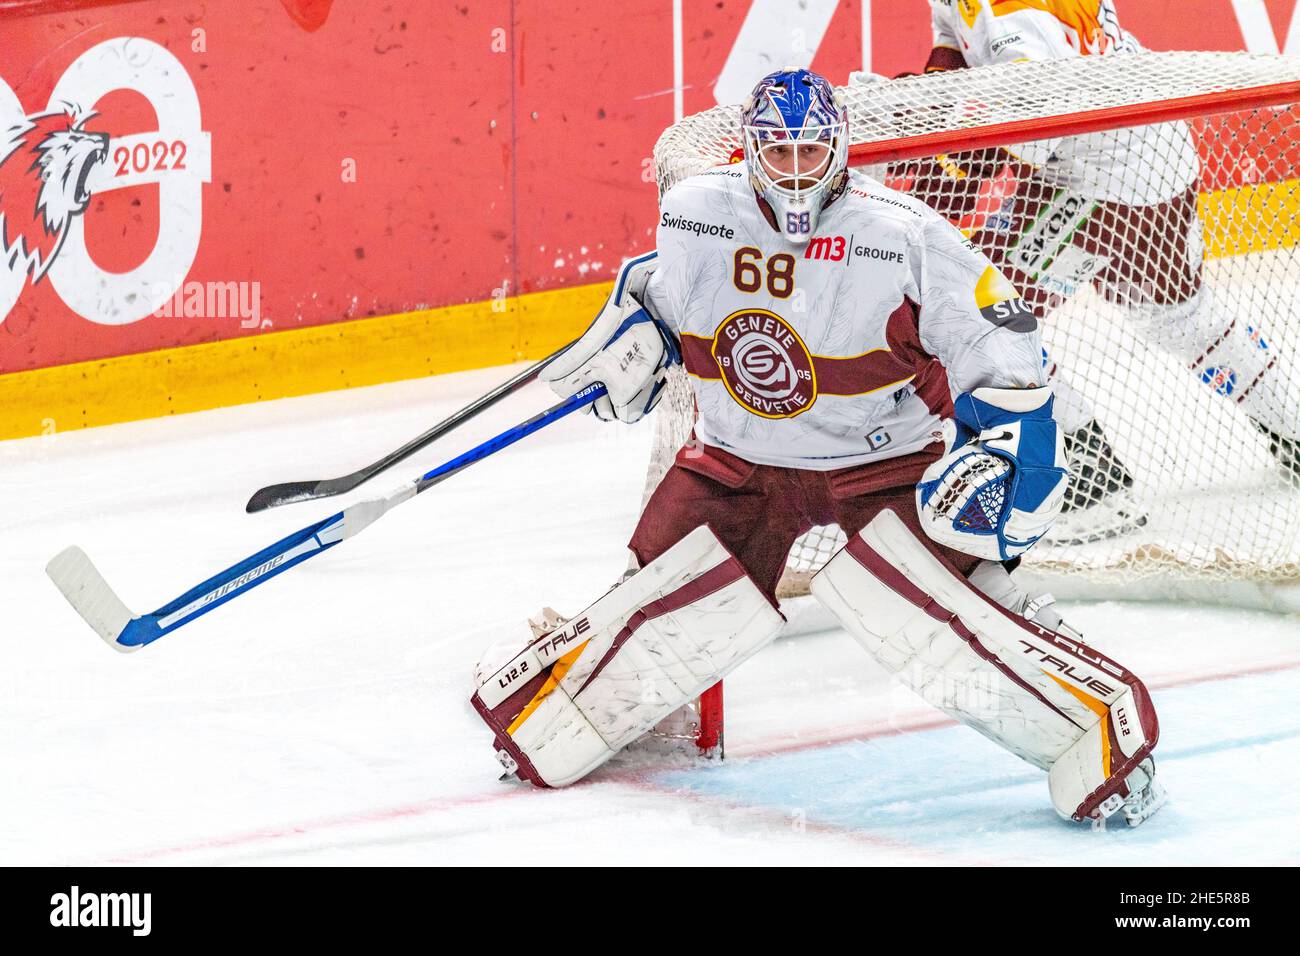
x=498, y=148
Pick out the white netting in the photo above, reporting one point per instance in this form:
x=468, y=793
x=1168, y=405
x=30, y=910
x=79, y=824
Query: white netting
x=1171, y=476
x=948, y=103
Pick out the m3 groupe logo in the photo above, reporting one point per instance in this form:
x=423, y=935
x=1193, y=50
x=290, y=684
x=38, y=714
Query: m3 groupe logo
x=102, y=910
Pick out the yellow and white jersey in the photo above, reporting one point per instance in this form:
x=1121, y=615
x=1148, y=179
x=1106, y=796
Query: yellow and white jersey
x=840, y=351
x=1136, y=166
x=1000, y=31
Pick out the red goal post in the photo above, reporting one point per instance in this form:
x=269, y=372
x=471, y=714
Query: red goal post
x=922, y=145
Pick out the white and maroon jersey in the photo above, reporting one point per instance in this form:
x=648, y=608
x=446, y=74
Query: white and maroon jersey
x=842, y=351
x=1137, y=166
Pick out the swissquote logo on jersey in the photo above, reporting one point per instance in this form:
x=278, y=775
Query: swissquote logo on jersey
x=764, y=364
x=1000, y=303
x=45, y=162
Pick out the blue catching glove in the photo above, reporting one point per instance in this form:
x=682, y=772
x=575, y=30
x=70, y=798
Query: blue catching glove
x=1000, y=491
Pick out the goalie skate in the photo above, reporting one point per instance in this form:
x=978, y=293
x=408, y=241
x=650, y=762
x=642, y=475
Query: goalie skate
x=1118, y=515
x=1098, y=501
x=1286, y=451
x=1145, y=796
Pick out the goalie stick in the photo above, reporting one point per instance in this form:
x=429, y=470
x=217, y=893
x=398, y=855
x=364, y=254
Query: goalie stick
x=272, y=496
x=90, y=595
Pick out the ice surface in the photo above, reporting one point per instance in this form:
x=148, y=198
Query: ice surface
x=324, y=717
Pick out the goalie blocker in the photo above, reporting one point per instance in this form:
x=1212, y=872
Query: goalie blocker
x=1049, y=699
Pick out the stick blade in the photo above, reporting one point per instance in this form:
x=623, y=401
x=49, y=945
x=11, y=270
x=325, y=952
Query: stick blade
x=290, y=492
x=272, y=496
x=90, y=596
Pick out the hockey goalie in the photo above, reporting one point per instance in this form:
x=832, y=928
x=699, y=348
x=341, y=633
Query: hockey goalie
x=896, y=389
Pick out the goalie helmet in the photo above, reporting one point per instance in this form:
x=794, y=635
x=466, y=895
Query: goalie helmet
x=795, y=135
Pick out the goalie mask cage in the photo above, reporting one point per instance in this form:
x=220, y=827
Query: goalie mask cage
x=1222, y=517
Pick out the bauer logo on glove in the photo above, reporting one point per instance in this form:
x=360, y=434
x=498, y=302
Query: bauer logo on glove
x=996, y=495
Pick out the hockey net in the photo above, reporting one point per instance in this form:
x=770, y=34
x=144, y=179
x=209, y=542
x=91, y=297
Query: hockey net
x=1211, y=500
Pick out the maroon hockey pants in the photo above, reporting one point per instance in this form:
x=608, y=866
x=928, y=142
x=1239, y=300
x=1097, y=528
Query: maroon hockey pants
x=759, y=511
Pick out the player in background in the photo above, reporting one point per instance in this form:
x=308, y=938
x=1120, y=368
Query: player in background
x=1114, y=209
x=823, y=393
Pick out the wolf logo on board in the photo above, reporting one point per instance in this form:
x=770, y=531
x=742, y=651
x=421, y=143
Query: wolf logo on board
x=45, y=162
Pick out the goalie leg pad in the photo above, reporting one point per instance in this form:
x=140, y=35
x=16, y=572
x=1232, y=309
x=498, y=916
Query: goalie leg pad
x=1047, y=698
x=575, y=697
